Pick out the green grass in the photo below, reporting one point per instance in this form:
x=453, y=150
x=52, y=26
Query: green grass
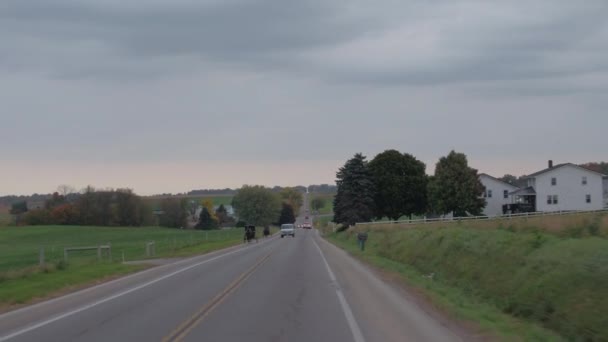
x=21, y=279
x=19, y=246
x=42, y=284
x=527, y=285
x=5, y=219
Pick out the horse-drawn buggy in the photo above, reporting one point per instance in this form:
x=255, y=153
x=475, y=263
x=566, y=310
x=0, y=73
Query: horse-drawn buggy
x=249, y=234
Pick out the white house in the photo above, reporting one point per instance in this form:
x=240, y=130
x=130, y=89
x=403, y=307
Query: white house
x=563, y=187
x=496, y=193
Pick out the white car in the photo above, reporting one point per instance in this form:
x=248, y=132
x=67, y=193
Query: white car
x=288, y=229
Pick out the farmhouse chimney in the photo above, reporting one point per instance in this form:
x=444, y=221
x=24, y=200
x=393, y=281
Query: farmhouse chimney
x=550, y=164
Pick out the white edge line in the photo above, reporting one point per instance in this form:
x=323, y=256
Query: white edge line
x=350, y=318
x=107, y=299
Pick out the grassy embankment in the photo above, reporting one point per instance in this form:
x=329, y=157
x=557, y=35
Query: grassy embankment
x=527, y=279
x=22, y=280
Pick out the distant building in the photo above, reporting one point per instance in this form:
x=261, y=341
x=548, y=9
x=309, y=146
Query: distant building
x=497, y=193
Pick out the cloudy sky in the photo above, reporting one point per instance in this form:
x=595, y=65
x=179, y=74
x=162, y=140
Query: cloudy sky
x=172, y=95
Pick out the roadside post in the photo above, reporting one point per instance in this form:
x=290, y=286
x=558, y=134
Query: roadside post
x=362, y=237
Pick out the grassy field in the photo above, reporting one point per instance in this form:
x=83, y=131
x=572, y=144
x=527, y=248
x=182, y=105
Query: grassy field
x=526, y=282
x=22, y=280
x=5, y=219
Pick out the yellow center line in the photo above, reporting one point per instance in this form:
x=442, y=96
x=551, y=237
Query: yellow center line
x=187, y=326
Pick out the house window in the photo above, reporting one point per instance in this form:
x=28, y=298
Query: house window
x=588, y=198
x=506, y=194
x=489, y=193
x=485, y=192
x=553, y=181
x=555, y=199
x=549, y=199
x=584, y=180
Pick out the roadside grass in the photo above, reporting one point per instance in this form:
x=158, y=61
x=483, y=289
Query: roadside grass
x=528, y=285
x=571, y=225
x=22, y=280
x=323, y=222
x=52, y=282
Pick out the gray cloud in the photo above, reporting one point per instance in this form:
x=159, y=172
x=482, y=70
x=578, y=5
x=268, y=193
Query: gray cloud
x=273, y=80
x=412, y=42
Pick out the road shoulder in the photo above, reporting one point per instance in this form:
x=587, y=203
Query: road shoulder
x=388, y=308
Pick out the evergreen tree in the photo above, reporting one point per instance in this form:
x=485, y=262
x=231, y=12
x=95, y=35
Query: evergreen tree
x=287, y=215
x=354, y=201
x=456, y=187
x=222, y=214
x=205, y=220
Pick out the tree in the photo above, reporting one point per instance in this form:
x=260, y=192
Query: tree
x=456, y=187
x=205, y=220
x=256, y=205
x=65, y=214
x=317, y=203
x=65, y=190
x=174, y=213
x=18, y=209
x=354, y=201
x=287, y=214
x=222, y=216
x=209, y=205
x=400, y=184
x=293, y=197
x=55, y=200
x=601, y=167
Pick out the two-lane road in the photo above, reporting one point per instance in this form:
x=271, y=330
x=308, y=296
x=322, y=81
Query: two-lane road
x=291, y=289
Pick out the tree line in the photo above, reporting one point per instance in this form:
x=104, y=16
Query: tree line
x=120, y=207
x=395, y=184
x=262, y=206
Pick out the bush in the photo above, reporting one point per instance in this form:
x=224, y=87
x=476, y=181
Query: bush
x=37, y=217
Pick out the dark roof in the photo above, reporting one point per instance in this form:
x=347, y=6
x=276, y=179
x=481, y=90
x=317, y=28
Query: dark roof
x=498, y=180
x=562, y=165
x=524, y=192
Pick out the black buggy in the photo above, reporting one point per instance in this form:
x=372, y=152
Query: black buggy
x=249, y=234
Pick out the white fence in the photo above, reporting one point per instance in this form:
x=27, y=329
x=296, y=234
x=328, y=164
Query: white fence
x=481, y=218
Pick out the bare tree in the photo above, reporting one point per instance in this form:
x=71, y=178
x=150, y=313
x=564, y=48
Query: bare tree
x=65, y=189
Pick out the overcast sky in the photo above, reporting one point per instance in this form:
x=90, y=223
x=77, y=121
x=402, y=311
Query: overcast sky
x=174, y=95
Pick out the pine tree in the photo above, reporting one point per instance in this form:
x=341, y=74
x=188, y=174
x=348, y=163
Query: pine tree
x=287, y=215
x=354, y=201
x=205, y=220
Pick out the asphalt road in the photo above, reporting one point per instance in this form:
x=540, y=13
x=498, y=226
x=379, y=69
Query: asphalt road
x=289, y=289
